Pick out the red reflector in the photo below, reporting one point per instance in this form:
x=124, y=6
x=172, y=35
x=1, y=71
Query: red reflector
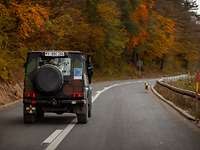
x=30, y=94
x=33, y=102
x=77, y=94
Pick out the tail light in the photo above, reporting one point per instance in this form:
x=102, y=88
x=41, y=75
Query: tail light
x=78, y=94
x=32, y=96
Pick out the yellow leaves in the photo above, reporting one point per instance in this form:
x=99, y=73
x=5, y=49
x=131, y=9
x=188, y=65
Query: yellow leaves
x=192, y=55
x=136, y=40
x=30, y=17
x=72, y=21
x=71, y=31
x=61, y=25
x=3, y=10
x=168, y=25
x=156, y=35
x=141, y=14
x=188, y=50
x=109, y=12
x=18, y=20
x=97, y=37
x=162, y=36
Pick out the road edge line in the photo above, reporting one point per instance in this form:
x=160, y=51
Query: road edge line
x=180, y=110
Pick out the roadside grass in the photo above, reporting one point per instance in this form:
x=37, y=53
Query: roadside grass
x=187, y=84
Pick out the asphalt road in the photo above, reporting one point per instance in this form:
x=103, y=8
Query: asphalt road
x=125, y=117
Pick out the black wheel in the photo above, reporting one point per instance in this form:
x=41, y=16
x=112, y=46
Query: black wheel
x=83, y=117
x=40, y=113
x=28, y=118
x=89, y=110
x=90, y=105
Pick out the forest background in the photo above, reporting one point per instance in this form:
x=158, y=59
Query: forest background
x=122, y=36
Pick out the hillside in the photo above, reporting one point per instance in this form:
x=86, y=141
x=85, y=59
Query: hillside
x=123, y=37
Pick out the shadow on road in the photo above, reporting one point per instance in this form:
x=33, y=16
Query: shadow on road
x=51, y=119
x=56, y=119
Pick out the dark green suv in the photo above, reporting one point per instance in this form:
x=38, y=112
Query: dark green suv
x=58, y=82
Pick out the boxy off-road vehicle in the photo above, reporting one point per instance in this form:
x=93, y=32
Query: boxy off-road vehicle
x=58, y=82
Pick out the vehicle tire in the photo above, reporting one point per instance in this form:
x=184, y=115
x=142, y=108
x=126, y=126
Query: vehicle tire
x=90, y=104
x=83, y=117
x=28, y=119
x=90, y=110
x=40, y=113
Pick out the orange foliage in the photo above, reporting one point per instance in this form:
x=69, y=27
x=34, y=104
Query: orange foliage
x=136, y=40
x=161, y=36
x=155, y=31
x=109, y=12
x=168, y=25
x=30, y=17
x=141, y=14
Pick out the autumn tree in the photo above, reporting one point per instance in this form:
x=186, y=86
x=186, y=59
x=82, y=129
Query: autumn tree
x=117, y=33
x=186, y=48
x=18, y=22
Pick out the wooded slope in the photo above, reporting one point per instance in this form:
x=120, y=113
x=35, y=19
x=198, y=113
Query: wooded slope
x=159, y=34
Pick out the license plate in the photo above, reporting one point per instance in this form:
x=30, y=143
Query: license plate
x=54, y=54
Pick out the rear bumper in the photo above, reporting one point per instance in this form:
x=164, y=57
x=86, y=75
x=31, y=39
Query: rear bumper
x=55, y=106
x=55, y=102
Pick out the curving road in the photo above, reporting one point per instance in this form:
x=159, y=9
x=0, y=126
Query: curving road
x=125, y=117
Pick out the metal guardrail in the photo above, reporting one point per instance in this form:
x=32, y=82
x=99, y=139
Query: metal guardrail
x=163, y=82
x=192, y=96
x=175, y=78
x=178, y=90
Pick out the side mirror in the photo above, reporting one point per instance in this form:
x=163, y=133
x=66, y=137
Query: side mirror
x=90, y=72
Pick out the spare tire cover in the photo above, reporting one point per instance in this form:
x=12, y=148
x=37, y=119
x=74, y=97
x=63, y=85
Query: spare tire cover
x=48, y=78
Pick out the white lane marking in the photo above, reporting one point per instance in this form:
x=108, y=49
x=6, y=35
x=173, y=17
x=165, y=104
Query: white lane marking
x=61, y=136
x=66, y=131
x=100, y=92
x=52, y=137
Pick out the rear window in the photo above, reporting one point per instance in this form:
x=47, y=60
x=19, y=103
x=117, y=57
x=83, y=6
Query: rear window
x=71, y=65
x=63, y=63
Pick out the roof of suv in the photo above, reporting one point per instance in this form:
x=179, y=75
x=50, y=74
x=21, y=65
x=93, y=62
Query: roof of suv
x=62, y=52
x=43, y=51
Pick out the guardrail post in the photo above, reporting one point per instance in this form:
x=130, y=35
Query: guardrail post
x=197, y=78
x=197, y=109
